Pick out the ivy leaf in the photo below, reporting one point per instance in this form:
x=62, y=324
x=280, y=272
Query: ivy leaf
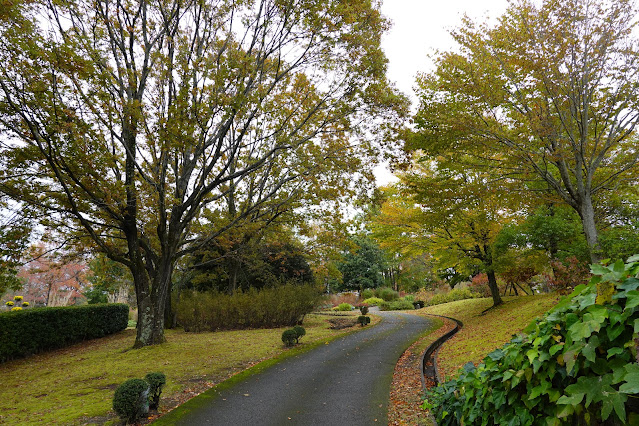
x=616, y=400
x=632, y=299
x=614, y=351
x=631, y=385
x=598, y=269
x=629, y=285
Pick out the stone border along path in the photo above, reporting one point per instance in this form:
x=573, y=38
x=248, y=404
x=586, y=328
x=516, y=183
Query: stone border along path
x=345, y=382
x=429, y=359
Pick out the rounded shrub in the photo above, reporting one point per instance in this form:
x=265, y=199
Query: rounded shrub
x=363, y=320
x=156, y=381
x=300, y=332
x=387, y=294
x=363, y=308
x=345, y=307
x=130, y=400
x=373, y=301
x=289, y=337
x=367, y=293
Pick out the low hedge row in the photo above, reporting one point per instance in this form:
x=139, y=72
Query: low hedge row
x=269, y=307
x=36, y=330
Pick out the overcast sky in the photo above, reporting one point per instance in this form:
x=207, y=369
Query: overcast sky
x=419, y=28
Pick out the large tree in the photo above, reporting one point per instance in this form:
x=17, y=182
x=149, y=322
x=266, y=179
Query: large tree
x=125, y=121
x=549, y=93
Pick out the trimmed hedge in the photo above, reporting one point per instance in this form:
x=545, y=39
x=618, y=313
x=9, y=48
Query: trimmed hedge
x=31, y=331
x=269, y=307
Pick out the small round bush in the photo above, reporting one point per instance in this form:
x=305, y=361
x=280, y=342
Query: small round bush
x=16, y=308
x=25, y=304
x=10, y=303
x=299, y=331
x=373, y=301
x=289, y=337
x=363, y=320
x=363, y=308
x=17, y=298
x=130, y=400
x=367, y=293
x=345, y=307
x=156, y=381
x=387, y=294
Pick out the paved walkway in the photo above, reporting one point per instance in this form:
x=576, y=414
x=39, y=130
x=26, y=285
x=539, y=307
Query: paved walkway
x=346, y=382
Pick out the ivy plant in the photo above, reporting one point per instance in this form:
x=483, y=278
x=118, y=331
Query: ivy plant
x=576, y=365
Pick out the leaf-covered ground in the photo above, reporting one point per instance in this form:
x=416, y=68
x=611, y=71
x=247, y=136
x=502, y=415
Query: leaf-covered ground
x=75, y=385
x=483, y=333
x=405, y=402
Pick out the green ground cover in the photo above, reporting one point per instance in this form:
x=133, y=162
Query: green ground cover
x=482, y=333
x=75, y=385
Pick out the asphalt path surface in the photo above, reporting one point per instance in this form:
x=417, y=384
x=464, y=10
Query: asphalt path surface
x=345, y=382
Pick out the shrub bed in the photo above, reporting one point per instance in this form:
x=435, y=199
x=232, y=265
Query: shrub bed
x=31, y=331
x=452, y=296
x=270, y=307
x=575, y=366
x=396, y=305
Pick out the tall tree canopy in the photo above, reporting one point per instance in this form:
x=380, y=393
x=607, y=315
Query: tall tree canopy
x=126, y=121
x=550, y=93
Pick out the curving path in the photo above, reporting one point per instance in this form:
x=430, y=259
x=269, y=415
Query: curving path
x=345, y=382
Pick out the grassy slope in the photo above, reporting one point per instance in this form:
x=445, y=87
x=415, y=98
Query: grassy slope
x=482, y=333
x=72, y=385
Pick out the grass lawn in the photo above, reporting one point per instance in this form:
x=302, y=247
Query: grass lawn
x=483, y=333
x=75, y=385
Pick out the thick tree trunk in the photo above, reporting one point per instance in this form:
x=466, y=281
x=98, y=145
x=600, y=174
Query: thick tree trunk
x=150, y=329
x=494, y=289
x=587, y=215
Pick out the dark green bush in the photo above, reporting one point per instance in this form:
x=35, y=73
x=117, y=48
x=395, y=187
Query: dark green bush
x=130, y=400
x=300, y=332
x=270, y=307
x=575, y=366
x=156, y=381
x=30, y=331
x=363, y=308
x=387, y=294
x=363, y=320
x=289, y=337
x=418, y=304
x=396, y=305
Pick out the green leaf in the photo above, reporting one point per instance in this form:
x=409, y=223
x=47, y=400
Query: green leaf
x=629, y=284
x=633, y=259
x=555, y=348
x=632, y=299
x=598, y=269
x=631, y=385
x=589, y=349
x=615, y=351
x=580, y=331
x=614, y=400
x=573, y=399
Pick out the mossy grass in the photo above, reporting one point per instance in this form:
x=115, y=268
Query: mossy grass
x=484, y=332
x=75, y=385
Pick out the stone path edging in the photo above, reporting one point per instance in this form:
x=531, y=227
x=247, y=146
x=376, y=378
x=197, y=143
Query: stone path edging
x=430, y=354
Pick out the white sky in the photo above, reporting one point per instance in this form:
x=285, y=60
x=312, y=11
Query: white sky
x=419, y=28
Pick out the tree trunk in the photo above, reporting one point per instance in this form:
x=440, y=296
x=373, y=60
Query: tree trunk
x=494, y=289
x=150, y=329
x=587, y=214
